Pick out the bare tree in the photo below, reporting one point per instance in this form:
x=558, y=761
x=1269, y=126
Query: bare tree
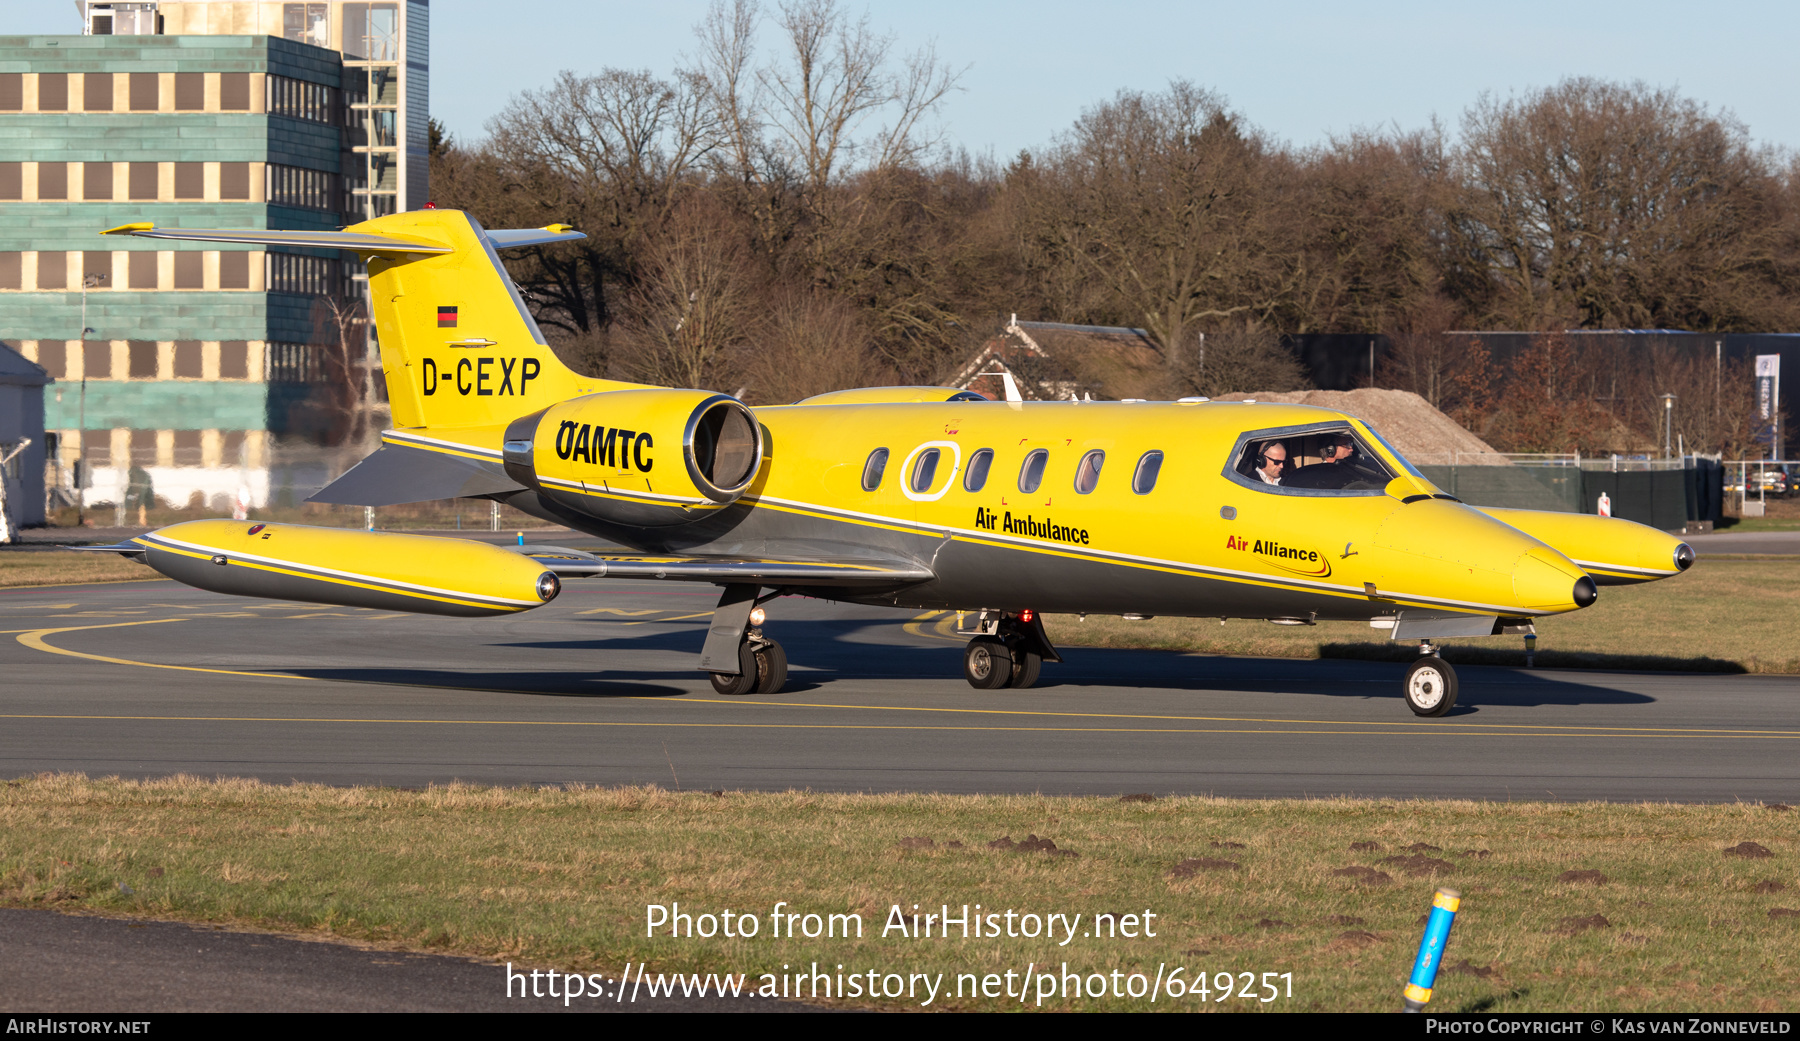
x=1240, y=356
x=1604, y=205
x=692, y=310
x=1164, y=199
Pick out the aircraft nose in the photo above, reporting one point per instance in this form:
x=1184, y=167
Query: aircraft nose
x=1684, y=557
x=1545, y=581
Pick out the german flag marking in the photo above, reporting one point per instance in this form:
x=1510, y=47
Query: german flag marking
x=446, y=317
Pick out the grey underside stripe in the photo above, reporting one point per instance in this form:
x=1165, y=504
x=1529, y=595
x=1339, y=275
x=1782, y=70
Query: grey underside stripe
x=398, y=473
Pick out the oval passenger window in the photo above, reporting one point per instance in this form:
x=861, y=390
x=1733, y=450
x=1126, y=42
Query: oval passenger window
x=1087, y=474
x=925, y=470
x=1032, y=473
x=976, y=475
x=873, y=469
x=1145, y=477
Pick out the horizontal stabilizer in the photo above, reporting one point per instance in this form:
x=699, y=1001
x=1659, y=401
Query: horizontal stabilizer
x=129, y=548
x=356, y=241
x=398, y=474
x=574, y=563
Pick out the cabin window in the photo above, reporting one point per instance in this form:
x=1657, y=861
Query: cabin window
x=1087, y=472
x=1144, y=478
x=873, y=469
x=1032, y=473
x=976, y=475
x=924, y=470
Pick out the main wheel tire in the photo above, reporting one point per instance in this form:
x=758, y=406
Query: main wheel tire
x=1430, y=686
x=987, y=664
x=771, y=668
x=1025, y=668
x=745, y=681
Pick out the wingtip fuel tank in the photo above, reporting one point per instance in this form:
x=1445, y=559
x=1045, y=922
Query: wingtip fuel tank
x=351, y=568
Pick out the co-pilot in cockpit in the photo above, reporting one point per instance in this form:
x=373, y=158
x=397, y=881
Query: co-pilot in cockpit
x=1322, y=459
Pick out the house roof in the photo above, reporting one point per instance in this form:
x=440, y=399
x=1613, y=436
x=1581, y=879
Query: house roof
x=1053, y=361
x=17, y=370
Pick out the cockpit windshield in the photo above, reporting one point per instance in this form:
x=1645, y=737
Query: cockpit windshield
x=1331, y=458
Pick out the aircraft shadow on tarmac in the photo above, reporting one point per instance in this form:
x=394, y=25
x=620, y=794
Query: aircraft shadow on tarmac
x=827, y=650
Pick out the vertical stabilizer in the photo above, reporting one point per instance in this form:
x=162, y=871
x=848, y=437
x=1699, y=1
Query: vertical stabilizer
x=458, y=346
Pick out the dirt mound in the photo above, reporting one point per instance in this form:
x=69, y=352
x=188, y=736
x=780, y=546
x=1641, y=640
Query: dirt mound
x=1407, y=421
x=1418, y=864
x=1783, y=912
x=1274, y=923
x=1593, y=877
x=1423, y=847
x=1365, y=875
x=1365, y=847
x=1749, y=851
x=1138, y=797
x=1581, y=923
x=1464, y=968
x=1189, y=868
x=1769, y=886
x=917, y=842
x=1344, y=919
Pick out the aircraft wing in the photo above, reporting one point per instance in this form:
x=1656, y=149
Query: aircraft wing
x=574, y=563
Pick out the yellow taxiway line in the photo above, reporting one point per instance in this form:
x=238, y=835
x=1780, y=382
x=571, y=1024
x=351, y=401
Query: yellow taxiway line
x=35, y=638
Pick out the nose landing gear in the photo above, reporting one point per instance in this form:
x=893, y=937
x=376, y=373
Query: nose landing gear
x=1430, y=684
x=735, y=641
x=1008, y=650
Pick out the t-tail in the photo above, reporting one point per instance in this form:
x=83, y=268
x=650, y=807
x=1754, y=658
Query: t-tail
x=459, y=348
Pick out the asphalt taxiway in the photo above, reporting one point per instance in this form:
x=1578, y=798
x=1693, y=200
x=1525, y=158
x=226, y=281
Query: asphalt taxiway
x=152, y=678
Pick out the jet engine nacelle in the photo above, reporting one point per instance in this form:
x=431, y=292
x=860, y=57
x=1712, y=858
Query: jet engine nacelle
x=648, y=458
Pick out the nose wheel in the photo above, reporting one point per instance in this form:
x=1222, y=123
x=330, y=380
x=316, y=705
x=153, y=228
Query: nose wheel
x=1430, y=684
x=762, y=668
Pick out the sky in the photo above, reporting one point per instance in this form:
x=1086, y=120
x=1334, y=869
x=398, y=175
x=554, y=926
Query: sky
x=1300, y=71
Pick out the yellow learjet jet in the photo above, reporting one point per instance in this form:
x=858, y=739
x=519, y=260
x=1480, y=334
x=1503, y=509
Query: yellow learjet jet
x=915, y=497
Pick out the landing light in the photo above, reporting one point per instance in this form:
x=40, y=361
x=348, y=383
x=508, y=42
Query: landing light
x=757, y=616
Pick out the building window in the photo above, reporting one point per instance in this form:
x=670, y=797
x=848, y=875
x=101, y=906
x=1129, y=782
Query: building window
x=12, y=269
x=142, y=269
x=371, y=31
x=53, y=92
x=97, y=265
x=190, y=91
x=234, y=269
x=141, y=181
x=187, y=448
x=96, y=446
x=293, y=273
x=97, y=181
x=299, y=99
x=306, y=23
x=12, y=92
x=53, y=180
x=143, y=359
x=294, y=186
x=96, y=360
x=234, y=360
x=234, y=91
x=146, y=93
x=53, y=270
x=96, y=92
x=292, y=363
x=12, y=180
x=53, y=356
x=190, y=269
x=143, y=446
x=234, y=180
x=190, y=180
x=188, y=364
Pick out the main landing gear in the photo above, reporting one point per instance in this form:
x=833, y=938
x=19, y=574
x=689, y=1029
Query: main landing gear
x=737, y=656
x=1009, y=650
x=1430, y=684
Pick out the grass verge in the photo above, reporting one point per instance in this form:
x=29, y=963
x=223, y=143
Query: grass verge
x=35, y=567
x=1722, y=616
x=1565, y=907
